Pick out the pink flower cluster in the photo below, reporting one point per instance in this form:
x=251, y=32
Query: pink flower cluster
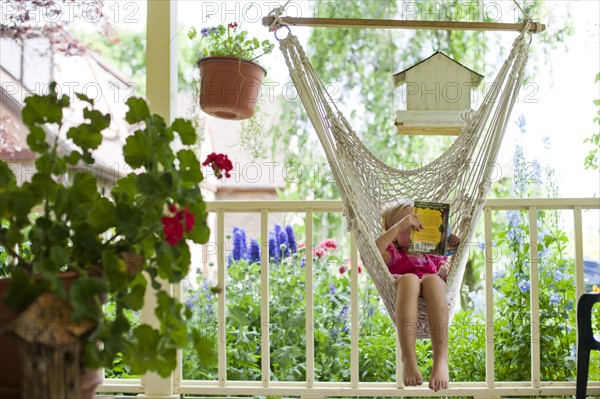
x=328, y=244
x=347, y=266
x=176, y=224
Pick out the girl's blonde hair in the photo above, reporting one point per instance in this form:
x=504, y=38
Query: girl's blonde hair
x=390, y=212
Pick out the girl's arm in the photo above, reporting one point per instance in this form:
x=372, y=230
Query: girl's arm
x=384, y=240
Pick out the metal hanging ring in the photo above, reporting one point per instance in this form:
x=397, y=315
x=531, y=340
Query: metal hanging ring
x=289, y=32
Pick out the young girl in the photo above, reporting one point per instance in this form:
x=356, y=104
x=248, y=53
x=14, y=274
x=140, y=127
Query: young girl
x=417, y=275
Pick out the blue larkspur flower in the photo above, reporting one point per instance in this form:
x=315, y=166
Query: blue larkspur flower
x=254, y=252
x=205, y=31
x=554, y=298
x=239, y=243
x=569, y=305
x=209, y=295
x=291, y=238
x=303, y=263
x=332, y=289
x=343, y=313
x=274, y=251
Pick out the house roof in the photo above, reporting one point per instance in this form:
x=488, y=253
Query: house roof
x=106, y=87
x=400, y=77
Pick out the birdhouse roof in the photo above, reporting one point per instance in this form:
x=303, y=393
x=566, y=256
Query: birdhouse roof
x=400, y=77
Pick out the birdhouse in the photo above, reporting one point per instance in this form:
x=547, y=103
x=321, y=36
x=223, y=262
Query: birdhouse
x=437, y=89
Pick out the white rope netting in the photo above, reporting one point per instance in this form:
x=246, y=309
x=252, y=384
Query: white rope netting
x=460, y=176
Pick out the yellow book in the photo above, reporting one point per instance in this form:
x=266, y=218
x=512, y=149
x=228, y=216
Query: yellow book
x=432, y=238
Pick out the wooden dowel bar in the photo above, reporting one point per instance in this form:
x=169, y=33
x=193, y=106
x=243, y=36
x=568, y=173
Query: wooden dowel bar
x=536, y=27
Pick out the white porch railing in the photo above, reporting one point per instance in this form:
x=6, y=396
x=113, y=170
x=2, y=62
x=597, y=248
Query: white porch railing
x=490, y=388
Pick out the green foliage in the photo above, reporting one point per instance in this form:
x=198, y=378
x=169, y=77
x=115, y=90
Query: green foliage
x=108, y=240
x=230, y=41
x=591, y=159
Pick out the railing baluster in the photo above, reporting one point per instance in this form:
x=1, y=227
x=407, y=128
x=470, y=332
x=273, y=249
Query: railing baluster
x=579, y=284
x=222, y=342
x=354, y=366
x=534, y=297
x=264, y=295
x=489, y=299
x=310, y=333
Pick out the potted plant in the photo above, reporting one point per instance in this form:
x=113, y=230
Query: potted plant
x=230, y=80
x=112, y=245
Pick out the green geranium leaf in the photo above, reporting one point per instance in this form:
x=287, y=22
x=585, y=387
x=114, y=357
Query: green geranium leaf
x=125, y=188
x=173, y=262
x=115, y=269
x=83, y=293
x=73, y=157
x=147, y=357
x=138, y=110
x=101, y=216
x=189, y=166
x=85, y=136
x=36, y=139
x=135, y=298
x=201, y=232
x=98, y=120
x=60, y=255
x=7, y=177
x=148, y=185
x=19, y=202
x=169, y=312
x=204, y=347
x=136, y=150
x=44, y=109
x=128, y=220
x=85, y=98
x=186, y=130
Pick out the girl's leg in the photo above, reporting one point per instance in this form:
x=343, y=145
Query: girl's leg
x=408, y=288
x=433, y=289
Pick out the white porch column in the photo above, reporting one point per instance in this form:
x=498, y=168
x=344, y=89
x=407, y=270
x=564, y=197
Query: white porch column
x=161, y=86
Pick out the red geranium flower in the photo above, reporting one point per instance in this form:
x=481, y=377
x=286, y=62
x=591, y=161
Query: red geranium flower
x=343, y=269
x=219, y=163
x=232, y=25
x=176, y=224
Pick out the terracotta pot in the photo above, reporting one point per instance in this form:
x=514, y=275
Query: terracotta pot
x=10, y=365
x=229, y=88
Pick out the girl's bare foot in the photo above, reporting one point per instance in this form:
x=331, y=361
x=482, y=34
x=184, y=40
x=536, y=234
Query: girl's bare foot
x=412, y=376
x=439, y=376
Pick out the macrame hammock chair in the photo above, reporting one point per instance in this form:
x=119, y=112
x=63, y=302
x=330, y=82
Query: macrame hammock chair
x=459, y=176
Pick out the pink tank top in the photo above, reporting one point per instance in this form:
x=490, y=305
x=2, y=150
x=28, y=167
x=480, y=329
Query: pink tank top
x=402, y=263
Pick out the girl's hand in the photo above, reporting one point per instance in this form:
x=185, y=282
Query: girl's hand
x=443, y=272
x=453, y=240
x=409, y=222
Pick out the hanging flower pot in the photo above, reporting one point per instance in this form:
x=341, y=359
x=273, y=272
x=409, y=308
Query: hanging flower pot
x=229, y=87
